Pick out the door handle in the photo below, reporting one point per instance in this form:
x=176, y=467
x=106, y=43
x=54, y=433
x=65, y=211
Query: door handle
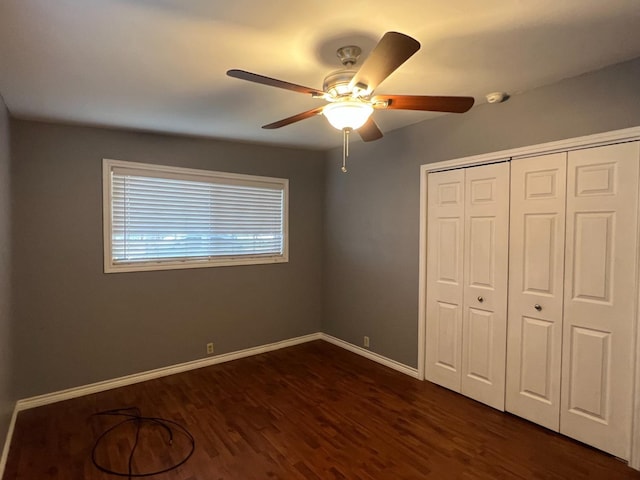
x=537, y=307
x=480, y=299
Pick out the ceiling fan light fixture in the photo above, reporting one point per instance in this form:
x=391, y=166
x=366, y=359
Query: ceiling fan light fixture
x=349, y=114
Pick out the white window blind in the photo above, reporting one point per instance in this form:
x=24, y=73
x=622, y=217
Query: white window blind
x=166, y=217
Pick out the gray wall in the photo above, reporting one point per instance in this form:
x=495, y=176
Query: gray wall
x=76, y=325
x=371, y=213
x=354, y=239
x=7, y=398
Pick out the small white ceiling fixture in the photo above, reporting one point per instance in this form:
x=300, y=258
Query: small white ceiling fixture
x=497, y=97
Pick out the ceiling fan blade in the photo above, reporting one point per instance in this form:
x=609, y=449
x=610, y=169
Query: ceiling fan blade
x=295, y=118
x=272, y=82
x=391, y=51
x=370, y=131
x=424, y=102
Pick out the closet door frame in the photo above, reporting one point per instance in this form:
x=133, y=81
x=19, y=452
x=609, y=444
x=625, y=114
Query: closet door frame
x=600, y=139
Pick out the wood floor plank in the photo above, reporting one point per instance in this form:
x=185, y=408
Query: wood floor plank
x=309, y=412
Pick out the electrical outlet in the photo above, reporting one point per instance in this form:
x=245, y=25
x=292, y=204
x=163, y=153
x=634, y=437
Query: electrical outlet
x=366, y=342
x=209, y=348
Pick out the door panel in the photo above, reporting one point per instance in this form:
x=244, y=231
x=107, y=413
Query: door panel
x=449, y=232
x=539, y=253
x=480, y=331
x=445, y=237
x=589, y=364
x=536, y=360
x=486, y=216
x=481, y=241
x=593, y=263
x=600, y=287
x=536, y=269
x=448, y=336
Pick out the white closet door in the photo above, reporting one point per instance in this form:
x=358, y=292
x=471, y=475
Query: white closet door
x=445, y=224
x=600, y=287
x=484, y=319
x=536, y=268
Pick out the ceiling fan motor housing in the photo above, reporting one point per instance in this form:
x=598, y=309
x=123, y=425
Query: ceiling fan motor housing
x=337, y=82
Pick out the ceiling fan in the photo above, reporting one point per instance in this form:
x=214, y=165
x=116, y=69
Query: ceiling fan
x=349, y=91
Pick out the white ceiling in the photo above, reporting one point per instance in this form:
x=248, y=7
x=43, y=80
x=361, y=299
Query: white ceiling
x=160, y=65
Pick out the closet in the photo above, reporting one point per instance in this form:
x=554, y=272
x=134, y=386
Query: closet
x=467, y=255
x=531, y=288
x=572, y=291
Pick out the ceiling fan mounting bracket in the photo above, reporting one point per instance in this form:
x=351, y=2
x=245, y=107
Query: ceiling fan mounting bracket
x=349, y=54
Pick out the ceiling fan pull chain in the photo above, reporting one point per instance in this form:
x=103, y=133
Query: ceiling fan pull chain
x=345, y=148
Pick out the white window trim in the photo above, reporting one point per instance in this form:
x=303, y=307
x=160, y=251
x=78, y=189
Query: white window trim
x=109, y=267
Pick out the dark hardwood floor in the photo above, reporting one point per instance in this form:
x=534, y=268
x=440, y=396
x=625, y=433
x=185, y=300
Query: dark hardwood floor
x=312, y=411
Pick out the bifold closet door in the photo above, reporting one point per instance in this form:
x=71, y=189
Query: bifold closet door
x=536, y=281
x=600, y=292
x=445, y=240
x=484, y=317
x=467, y=252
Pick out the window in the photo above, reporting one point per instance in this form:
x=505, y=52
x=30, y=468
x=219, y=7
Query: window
x=158, y=218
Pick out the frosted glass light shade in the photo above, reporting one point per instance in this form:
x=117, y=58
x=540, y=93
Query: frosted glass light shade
x=347, y=114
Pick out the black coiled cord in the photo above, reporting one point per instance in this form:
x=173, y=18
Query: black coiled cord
x=133, y=415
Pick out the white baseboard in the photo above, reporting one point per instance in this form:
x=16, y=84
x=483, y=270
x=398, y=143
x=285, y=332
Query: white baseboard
x=376, y=357
x=7, y=442
x=46, y=399
x=75, y=392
